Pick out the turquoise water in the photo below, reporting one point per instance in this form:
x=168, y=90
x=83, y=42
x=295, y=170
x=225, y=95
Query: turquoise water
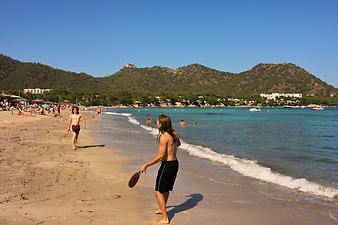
x=300, y=143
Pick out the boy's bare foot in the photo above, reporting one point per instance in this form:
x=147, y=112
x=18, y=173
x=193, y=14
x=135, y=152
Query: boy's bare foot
x=74, y=148
x=162, y=221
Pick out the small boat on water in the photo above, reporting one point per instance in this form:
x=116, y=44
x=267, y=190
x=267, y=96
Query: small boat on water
x=255, y=110
x=319, y=108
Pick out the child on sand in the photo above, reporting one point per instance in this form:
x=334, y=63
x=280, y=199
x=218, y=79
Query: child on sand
x=166, y=176
x=74, y=124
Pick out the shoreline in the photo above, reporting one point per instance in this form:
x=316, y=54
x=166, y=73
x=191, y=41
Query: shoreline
x=222, y=194
x=245, y=166
x=87, y=108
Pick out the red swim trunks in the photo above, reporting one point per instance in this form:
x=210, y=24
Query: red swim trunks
x=76, y=129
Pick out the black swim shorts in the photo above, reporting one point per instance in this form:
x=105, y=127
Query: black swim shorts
x=166, y=176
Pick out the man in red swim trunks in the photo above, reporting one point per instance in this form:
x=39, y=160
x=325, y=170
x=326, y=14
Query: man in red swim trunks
x=74, y=124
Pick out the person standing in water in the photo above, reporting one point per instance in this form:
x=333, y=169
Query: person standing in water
x=98, y=110
x=148, y=120
x=74, y=124
x=168, y=143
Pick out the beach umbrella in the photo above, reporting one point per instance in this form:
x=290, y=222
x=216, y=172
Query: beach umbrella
x=20, y=100
x=37, y=101
x=15, y=96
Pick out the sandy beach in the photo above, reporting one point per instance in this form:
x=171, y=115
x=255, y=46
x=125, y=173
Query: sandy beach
x=43, y=181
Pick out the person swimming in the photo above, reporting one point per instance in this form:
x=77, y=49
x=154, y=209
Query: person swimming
x=166, y=176
x=182, y=123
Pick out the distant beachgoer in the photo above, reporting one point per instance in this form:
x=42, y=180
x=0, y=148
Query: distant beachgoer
x=20, y=113
x=148, y=120
x=53, y=111
x=182, y=123
x=98, y=110
x=58, y=107
x=74, y=124
x=42, y=111
x=168, y=143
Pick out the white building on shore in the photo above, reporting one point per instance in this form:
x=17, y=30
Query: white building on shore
x=280, y=95
x=36, y=90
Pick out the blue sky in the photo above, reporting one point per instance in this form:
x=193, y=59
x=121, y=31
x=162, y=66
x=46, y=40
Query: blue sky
x=99, y=37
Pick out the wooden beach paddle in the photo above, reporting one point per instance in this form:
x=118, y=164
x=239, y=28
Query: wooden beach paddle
x=134, y=179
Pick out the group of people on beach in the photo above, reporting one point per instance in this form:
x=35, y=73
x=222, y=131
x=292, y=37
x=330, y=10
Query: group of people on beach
x=48, y=111
x=168, y=140
x=33, y=110
x=5, y=106
x=21, y=109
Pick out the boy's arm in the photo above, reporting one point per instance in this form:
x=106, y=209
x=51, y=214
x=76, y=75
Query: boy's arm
x=70, y=122
x=159, y=157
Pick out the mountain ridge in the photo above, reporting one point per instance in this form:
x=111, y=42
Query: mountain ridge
x=193, y=78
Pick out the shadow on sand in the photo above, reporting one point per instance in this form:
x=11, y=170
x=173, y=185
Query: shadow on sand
x=91, y=146
x=190, y=203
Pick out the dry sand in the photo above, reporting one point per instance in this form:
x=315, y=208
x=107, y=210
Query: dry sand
x=43, y=181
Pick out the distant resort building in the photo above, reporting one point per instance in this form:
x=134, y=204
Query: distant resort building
x=36, y=90
x=279, y=95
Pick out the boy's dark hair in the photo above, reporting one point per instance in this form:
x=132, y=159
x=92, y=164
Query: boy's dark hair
x=75, y=107
x=166, y=126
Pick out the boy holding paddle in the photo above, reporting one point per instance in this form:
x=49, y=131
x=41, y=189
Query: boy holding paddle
x=166, y=176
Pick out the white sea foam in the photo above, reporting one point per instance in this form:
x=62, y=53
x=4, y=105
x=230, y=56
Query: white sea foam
x=130, y=118
x=118, y=114
x=248, y=168
x=151, y=130
x=133, y=120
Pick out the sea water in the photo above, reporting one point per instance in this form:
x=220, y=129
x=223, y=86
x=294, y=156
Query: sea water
x=294, y=148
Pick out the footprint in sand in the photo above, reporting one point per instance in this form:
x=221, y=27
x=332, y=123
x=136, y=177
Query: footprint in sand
x=80, y=201
x=117, y=196
x=333, y=214
x=242, y=202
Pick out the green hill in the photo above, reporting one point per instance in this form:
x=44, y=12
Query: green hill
x=281, y=78
x=190, y=79
x=15, y=75
x=198, y=79
x=193, y=78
